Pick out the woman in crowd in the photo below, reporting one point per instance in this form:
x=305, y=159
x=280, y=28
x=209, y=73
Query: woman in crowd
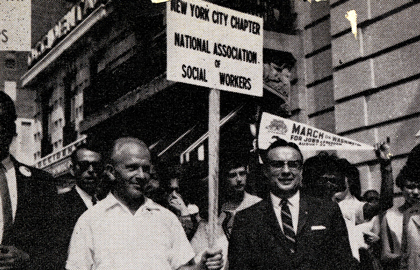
x=176, y=187
x=392, y=226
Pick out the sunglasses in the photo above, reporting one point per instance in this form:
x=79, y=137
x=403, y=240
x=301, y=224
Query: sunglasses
x=85, y=165
x=412, y=186
x=234, y=174
x=292, y=164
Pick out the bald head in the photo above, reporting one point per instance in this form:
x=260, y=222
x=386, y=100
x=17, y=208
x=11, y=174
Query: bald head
x=131, y=169
x=122, y=146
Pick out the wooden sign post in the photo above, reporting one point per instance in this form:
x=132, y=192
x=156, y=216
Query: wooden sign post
x=214, y=134
x=219, y=48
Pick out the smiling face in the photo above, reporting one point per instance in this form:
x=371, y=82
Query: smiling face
x=132, y=171
x=283, y=170
x=411, y=192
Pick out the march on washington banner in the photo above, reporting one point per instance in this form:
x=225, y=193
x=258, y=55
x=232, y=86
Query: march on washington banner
x=305, y=136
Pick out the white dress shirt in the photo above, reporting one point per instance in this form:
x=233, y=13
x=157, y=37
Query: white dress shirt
x=293, y=203
x=87, y=199
x=352, y=211
x=108, y=236
x=12, y=185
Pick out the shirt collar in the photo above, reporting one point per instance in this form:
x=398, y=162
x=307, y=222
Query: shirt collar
x=7, y=163
x=246, y=202
x=293, y=201
x=111, y=201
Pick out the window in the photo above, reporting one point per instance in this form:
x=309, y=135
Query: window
x=10, y=61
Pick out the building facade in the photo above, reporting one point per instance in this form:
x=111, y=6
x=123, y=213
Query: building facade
x=364, y=88
x=13, y=64
x=100, y=72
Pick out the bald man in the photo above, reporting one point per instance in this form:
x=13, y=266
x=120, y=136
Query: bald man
x=127, y=230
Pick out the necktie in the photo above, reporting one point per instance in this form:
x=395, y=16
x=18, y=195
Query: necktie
x=286, y=220
x=227, y=224
x=6, y=203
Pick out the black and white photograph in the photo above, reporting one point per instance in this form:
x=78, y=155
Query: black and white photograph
x=209, y=135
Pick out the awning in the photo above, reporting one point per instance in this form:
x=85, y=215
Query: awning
x=223, y=121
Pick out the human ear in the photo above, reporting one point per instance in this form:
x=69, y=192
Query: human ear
x=109, y=172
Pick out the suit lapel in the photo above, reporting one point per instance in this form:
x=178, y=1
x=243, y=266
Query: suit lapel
x=22, y=188
x=304, y=210
x=77, y=201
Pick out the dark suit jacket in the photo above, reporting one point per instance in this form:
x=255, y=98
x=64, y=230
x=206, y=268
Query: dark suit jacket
x=31, y=231
x=71, y=207
x=257, y=241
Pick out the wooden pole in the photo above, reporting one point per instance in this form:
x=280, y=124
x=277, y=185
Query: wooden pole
x=214, y=136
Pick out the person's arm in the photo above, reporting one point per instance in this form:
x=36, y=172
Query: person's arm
x=387, y=186
x=211, y=260
x=384, y=155
x=371, y=237
x=188, y=225
x=189, y=222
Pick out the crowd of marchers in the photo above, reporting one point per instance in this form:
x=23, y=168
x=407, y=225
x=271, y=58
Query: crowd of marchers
x=126, y=210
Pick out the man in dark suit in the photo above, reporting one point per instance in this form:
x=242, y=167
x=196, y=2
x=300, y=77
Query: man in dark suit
x=27, y=199
x=86, y=167
x=290, y=230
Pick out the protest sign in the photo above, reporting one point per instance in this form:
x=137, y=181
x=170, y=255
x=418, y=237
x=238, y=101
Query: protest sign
x=15, y=25
x=305, y=136
x=215, y=47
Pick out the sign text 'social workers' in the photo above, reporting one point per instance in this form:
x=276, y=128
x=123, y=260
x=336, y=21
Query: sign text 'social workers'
x=214, y=46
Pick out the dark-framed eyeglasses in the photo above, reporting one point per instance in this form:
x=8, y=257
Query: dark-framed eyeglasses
x=292, y=164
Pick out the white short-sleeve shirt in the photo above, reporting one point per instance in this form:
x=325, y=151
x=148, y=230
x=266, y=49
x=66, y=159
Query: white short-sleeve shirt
x=108, y=236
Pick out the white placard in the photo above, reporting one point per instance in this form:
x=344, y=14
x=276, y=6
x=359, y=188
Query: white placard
x=215, y=47
x=15, y=25
x=305, y=136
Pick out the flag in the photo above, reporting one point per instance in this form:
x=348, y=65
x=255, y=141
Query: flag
x=305, y=136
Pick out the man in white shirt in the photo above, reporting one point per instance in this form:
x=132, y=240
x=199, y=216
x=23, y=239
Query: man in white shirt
x=127, y=230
